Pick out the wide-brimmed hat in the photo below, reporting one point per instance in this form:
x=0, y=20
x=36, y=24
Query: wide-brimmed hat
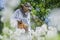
x=27, y=5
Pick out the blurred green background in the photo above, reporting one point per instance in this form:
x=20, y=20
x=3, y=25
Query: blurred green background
x=40, y=10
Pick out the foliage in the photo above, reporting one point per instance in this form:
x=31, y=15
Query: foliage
x=38, y=10
x=41, y=9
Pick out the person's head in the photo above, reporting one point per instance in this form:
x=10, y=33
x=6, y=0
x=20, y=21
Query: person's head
x=26, y=7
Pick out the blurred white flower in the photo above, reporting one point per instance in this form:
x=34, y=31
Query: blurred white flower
x=20, y=34
x=5, y=30
x=52, y=32
x=54, y=18
x=1, y=36
x=13, y=23
x=3, y=19
x=13, y=3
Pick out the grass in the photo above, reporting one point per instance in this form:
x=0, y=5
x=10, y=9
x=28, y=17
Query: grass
x=58, y=36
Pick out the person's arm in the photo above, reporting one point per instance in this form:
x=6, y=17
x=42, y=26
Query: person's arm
x=14, y=18
x=15, y=15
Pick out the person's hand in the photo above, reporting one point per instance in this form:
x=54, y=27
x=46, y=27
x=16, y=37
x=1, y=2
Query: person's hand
x=26, y=27
x=22, y=25
x=19, y=22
